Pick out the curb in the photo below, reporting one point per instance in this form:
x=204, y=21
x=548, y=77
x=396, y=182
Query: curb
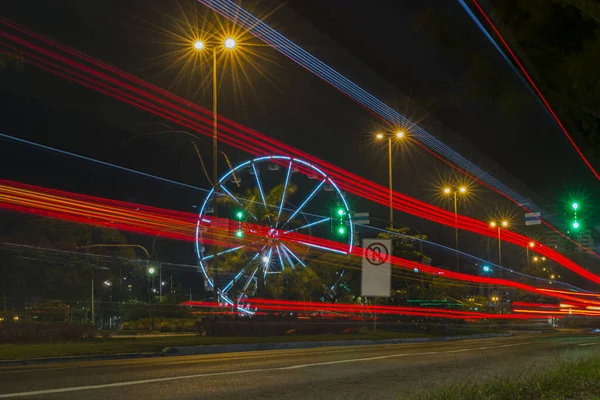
x=238, y=348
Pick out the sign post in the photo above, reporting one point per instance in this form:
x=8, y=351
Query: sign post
x=376, y=270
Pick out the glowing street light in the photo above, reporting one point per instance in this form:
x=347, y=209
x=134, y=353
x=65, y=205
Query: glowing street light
x=499, y=225
x=380, y=136
x=228, y=44
x=455, y=191
x=199, y=45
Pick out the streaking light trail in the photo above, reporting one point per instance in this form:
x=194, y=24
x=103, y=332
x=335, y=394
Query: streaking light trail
x=528, y=78
x=346, y=181
x=258, y=28
x=178, y=225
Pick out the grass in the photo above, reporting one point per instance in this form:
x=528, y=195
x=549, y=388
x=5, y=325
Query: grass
x=144, y=345
x=572, y=380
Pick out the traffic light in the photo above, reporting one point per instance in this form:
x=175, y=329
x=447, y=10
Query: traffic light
x=575, y=224
x=338, y=226
x=239, y=215
x=486, y=268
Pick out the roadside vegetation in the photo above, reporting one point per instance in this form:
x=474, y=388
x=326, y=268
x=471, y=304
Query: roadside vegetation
x=572, y=380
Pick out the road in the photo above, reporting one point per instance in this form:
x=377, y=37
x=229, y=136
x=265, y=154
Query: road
x=353, y=372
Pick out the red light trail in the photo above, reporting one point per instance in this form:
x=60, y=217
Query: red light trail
x=181, y=226
x=250, y=140
x=537, y=90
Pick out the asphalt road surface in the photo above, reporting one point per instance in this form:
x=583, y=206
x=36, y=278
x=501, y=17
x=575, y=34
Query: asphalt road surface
x=353, y=372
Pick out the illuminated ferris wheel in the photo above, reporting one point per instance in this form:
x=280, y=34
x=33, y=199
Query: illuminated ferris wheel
x=257, y=204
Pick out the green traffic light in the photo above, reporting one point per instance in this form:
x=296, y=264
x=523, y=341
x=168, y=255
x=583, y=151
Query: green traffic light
x=575, y=206
x=239, y=214
x=151, y=270
x=239, y=234
x=575, y=225
x=341, y=230
x=340, y=212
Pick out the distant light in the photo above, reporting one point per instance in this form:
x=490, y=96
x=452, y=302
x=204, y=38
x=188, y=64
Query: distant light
x=239, y=214
x=199, y=45
x=575, y=225
x=239, y=234
x=486, y=268
x=379, y=136
x=341, y=230
x=575, y=206
x=399, y=134
x=447, y=190
x=536, y=258
x=543, y=258
x=552, y=276
x=107, y=283
x=462, y=189
x=151, y=270
x=341, y=212
x=230, y=43
x=531, y=244
x=504, y=224
x=493, y=224
x=265, y=259
x=416, y=270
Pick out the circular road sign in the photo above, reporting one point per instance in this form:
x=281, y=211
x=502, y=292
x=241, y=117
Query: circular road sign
x=377, y=253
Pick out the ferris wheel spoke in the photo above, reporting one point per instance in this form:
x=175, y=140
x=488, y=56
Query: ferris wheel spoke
x=287, y=256
x=309, y=198
x=260, y=189
x=223, y=252
x=280, y=258
x=293, y=255
x=285, y=185
x=308, y=225
x=236, y=200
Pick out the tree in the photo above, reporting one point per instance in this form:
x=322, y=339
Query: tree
x=46, y=259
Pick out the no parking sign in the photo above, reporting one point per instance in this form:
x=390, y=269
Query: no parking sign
x=376, y=268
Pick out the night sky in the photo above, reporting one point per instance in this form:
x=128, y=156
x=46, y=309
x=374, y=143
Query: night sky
x=380, y=46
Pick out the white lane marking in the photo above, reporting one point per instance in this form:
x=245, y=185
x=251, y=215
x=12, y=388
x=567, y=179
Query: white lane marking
x=589, y=344
x=34, y=370
x=176, y=378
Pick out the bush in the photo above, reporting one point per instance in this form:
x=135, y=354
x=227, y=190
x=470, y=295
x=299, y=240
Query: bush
x=162, y=324
x=28, y=332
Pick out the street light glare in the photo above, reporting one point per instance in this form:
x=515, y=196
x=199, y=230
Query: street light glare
x=462, y=189
x=447, y=190
x=531, y=244
x=151, y=270
x=492, y=224
x=265, y=259
x=230, y=43
x=504, y=224
x=199, y=45
x=379, y=136
x=399, y=134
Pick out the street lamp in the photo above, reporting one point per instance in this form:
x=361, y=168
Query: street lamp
x=228, y=44
x=380, y=136
x=503, y=224
x=455, y=191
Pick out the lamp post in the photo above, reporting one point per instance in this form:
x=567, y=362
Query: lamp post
x=381, y=136
x=455, y=191
x=227, y=44
x=88, y=247
x=499, y=226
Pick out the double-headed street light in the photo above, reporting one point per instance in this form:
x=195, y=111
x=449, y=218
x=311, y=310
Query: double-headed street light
x=228, y=44
x=397, y=135
x=499, y=225
x=455, y=191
